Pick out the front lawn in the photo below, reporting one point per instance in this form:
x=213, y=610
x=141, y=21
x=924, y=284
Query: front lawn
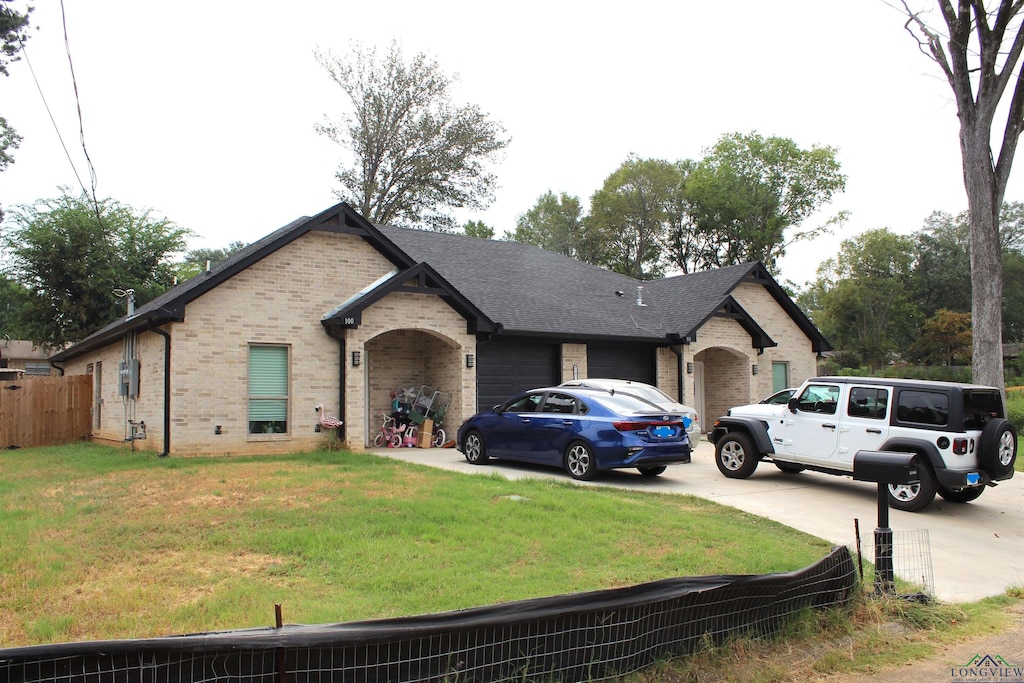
x=102, y=543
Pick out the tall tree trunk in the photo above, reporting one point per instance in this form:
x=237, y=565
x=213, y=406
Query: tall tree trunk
x=983, y=203
x=980, y=70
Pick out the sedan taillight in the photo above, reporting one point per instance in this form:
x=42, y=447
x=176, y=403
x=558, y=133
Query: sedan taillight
x=633, y=426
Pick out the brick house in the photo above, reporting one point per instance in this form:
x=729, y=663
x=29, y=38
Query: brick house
x=20, y=358
x=336, y=311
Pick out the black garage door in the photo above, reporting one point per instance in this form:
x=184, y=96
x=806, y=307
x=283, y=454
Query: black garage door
x=621, y=362
x=504, y=368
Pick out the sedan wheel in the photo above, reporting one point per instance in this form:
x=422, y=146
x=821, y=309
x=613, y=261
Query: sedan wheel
x=474, y=450
x=652, y=471
x=579, y=461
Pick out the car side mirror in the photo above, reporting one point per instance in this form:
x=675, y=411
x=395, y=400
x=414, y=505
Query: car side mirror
x=792, y=404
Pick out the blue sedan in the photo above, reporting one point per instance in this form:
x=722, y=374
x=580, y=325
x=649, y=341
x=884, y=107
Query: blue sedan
x=581, y=430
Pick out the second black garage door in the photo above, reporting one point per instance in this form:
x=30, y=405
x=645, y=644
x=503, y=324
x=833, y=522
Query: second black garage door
x=620, y=361
x=504, y=368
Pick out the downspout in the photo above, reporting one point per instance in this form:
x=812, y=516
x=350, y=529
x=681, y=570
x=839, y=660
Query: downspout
x=340, y=336
x=341, y=389
x=676, y=349
x=167, y=390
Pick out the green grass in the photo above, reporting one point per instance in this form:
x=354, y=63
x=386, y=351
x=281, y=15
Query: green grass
x=873, y=636
x=104, y=543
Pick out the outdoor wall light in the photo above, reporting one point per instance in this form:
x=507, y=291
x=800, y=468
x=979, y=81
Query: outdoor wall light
x=689, y=368
x=470, y=360
x=357, y=359
x=218, y=430
x=754, y=369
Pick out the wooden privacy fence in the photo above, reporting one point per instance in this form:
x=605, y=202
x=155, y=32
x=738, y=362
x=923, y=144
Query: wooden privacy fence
x=45, y=411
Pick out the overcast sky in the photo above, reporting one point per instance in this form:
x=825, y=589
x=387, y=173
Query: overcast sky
x=205, y=112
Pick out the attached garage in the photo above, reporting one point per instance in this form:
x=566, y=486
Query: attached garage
x=505, y=368
x=621, y=361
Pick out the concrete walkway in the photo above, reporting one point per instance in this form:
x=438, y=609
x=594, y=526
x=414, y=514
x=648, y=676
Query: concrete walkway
x=977, y=549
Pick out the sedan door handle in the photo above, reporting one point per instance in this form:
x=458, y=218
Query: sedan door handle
x=568, y=423
x=828, y=426
x=873, y=430
x=525, y=420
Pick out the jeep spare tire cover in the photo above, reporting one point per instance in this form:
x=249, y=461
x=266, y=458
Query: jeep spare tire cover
x=997, y=448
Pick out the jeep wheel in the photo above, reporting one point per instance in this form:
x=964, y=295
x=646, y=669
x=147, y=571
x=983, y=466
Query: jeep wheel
x=997, y=448
x=735, y=456
x=789, y=468
x=916, y=496
x=961, y=496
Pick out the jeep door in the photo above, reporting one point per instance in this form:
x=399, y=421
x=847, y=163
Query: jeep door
x=865, y=425
x=812, y=424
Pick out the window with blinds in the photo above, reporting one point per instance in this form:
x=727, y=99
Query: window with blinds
x=268, y=389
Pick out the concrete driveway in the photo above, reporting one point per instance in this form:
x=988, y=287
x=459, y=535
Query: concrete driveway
x=977, y=549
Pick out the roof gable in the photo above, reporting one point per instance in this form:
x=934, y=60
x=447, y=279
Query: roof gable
x=420, y=279
x=170, y=306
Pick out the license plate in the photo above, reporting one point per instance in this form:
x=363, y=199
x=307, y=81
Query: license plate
x=663, y=431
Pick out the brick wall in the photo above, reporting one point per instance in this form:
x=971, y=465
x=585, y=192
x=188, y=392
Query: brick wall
x=728, y=357
x=574, y=356
x=281, y=300
x=404, y=339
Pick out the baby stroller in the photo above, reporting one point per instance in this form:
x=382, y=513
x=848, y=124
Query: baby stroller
x=431, y=404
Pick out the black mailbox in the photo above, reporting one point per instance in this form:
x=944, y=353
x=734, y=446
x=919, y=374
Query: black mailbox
x=885, y=467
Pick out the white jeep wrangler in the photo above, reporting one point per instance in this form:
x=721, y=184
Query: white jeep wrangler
x=958, y=431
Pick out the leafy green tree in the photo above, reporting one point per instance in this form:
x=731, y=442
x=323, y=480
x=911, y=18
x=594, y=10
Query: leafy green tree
x=630, y=217
x=749, y=192
x=13, y=302
x=478, y=229
x=71, y=254
x=1013, y=296
x=416, y=155
x=945, y=339
x=554, y=223
x=942, y=271
x=979, y=51
x=13, y=32
x=195, y=261
x=861, y=300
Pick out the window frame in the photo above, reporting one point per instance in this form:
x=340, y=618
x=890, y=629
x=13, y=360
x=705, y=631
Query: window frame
x=276, y=430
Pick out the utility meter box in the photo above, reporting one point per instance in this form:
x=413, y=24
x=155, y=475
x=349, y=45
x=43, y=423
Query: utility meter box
x=128, y=378
x=885, y=467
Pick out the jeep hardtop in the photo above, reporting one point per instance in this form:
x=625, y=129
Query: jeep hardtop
x=958, y=431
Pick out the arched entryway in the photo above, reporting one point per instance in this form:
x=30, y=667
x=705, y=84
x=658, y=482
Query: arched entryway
x=722, y=380
x=416, y=358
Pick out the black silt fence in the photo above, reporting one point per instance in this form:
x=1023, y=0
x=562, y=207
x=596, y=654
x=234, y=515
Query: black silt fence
x=589, y=636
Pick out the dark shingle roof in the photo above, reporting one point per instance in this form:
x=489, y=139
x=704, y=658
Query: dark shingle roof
x=529, y=290
x=522, y=289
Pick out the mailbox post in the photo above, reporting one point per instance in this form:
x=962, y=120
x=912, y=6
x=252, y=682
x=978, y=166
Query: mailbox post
x=884, y=468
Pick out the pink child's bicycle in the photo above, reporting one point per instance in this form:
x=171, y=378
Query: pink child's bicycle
x=392, y=434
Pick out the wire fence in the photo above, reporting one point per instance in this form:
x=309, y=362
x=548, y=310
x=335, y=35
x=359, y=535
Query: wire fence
x=911, y=559
x=593, y=636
